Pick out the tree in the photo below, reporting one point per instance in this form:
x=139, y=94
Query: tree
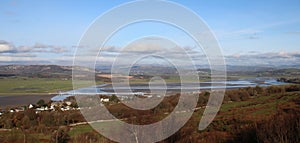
x=258, y=90
x=88, y=137
x=244, y=95
x=114, y=99
x=41, y=103
x=25, y=122
x=234, y=96
x=48, y=119
x=74, y=104
x=60, y=136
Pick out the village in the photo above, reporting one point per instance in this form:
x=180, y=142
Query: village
x=41, y=106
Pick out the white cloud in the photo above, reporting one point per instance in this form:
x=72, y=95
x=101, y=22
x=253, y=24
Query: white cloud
x=293, y=32
x=267, y=59
x=32, y=54
x=5, y=48
x=10, y=54
x=7, y=58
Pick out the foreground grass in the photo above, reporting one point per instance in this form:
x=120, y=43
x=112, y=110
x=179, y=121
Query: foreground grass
x=17, y=136
x=80, y=130
x=253, y=110
x=257, y=108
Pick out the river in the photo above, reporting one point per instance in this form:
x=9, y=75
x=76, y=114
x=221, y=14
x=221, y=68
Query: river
x=107, y=89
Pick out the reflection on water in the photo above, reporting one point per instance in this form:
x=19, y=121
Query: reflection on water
x=107, y=89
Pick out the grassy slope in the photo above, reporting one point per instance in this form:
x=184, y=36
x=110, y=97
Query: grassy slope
x=255, y=109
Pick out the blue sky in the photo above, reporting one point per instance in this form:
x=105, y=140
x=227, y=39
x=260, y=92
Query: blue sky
x=268, y=27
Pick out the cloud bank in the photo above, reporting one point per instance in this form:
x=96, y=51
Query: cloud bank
x=51, y=54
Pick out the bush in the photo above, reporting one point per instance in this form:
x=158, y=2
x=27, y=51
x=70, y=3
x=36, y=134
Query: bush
x=60, y=136
x=280, y=128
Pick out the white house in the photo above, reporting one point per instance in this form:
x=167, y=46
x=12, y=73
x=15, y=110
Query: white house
x=104, y=99
x=40, y=109
x=19, y=109
x=139, y=93
x=52, y=107
x=68, y=103
x=30, y=106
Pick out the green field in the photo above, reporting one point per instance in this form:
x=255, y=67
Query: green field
x=25, y=85
x=80, y=130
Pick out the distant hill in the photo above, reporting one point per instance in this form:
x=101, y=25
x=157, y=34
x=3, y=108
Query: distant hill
x=36, y=70
x=55, y=71
x=151, y=69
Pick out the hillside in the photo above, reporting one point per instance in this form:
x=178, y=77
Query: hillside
x=45, y=71
x=248, y=115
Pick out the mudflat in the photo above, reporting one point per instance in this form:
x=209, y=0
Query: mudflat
x=20, y=100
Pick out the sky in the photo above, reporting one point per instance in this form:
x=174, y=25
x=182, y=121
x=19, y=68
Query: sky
x=249, y=32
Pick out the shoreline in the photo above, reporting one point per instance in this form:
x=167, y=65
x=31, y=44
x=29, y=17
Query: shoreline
x=25, y=94
x=19, y=99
